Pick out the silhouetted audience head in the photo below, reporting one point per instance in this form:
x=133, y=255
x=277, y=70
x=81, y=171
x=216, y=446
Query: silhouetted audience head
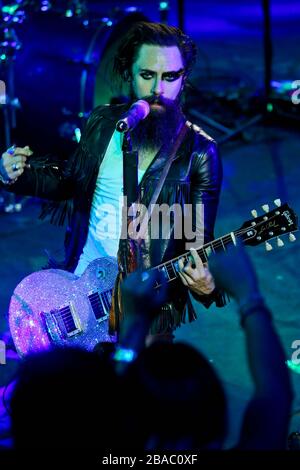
x=294, y=441
x=170, y=398
x=63, y=399
x=174, y=400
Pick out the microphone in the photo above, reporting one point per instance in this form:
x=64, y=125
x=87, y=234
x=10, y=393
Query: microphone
x=134, y=115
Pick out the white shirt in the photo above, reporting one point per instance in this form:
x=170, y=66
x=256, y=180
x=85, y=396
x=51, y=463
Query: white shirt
x=106, y=210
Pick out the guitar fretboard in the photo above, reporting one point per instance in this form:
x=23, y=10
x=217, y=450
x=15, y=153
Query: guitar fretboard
x=170, y=269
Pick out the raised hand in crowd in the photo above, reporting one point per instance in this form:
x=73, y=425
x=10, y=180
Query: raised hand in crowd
x=266, y=420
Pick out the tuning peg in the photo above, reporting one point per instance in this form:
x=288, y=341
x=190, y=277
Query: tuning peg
x=292, y=237
x=268, y=246
x=279, y=242
x=277, y=202
x=254, y=213
x=265, y=207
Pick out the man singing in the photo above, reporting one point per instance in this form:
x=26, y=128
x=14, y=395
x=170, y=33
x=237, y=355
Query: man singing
x=156, y=60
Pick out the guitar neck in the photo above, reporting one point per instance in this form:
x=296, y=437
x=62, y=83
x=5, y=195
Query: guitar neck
x=281, y=220
x=170, y=269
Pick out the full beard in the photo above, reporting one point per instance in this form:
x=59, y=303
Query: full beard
x=160, y=126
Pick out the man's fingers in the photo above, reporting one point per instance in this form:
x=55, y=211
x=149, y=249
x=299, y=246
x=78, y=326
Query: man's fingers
x=13, y=161
x=15, y=174
x=187, y=271
x=17, y=152
x=22, y=151
x=183, y=279
x=18, y=173
x=180, y=263
x=184, y=267
x=19, y=160
x=187, y=279
x=198, y=261
x=14, y=167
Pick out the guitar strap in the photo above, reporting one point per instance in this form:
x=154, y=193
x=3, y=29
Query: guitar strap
x=180, y=136
x=116, y=314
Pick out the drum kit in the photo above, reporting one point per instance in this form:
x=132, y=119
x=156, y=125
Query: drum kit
x=56, y=65
x=61, y=58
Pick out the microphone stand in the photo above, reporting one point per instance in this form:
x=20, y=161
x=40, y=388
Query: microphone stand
x=130, y=193
x=265, y=107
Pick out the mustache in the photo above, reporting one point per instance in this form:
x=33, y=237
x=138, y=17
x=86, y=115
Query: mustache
x=161, y=100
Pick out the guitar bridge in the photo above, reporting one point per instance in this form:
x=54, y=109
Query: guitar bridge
x=62, y=322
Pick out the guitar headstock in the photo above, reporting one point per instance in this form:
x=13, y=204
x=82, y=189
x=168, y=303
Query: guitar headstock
x=275, y=223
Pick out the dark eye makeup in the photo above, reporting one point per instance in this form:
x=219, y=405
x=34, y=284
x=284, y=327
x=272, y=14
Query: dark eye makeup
x=168, y=76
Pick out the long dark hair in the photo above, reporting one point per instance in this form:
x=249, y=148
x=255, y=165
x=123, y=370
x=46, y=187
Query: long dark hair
x=157, y=34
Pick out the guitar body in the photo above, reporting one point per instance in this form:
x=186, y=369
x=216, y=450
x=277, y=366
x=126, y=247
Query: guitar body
x=55, y=307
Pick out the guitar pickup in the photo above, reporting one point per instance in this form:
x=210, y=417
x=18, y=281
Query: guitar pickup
x=100, y=303
x=62, y=322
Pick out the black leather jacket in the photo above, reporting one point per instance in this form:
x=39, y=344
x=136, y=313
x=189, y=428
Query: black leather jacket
x=195, y=177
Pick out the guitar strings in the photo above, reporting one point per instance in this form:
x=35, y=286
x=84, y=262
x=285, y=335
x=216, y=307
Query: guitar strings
x=217, y=243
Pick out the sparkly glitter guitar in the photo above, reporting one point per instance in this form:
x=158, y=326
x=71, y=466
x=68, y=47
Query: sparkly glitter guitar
x=56, y=307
